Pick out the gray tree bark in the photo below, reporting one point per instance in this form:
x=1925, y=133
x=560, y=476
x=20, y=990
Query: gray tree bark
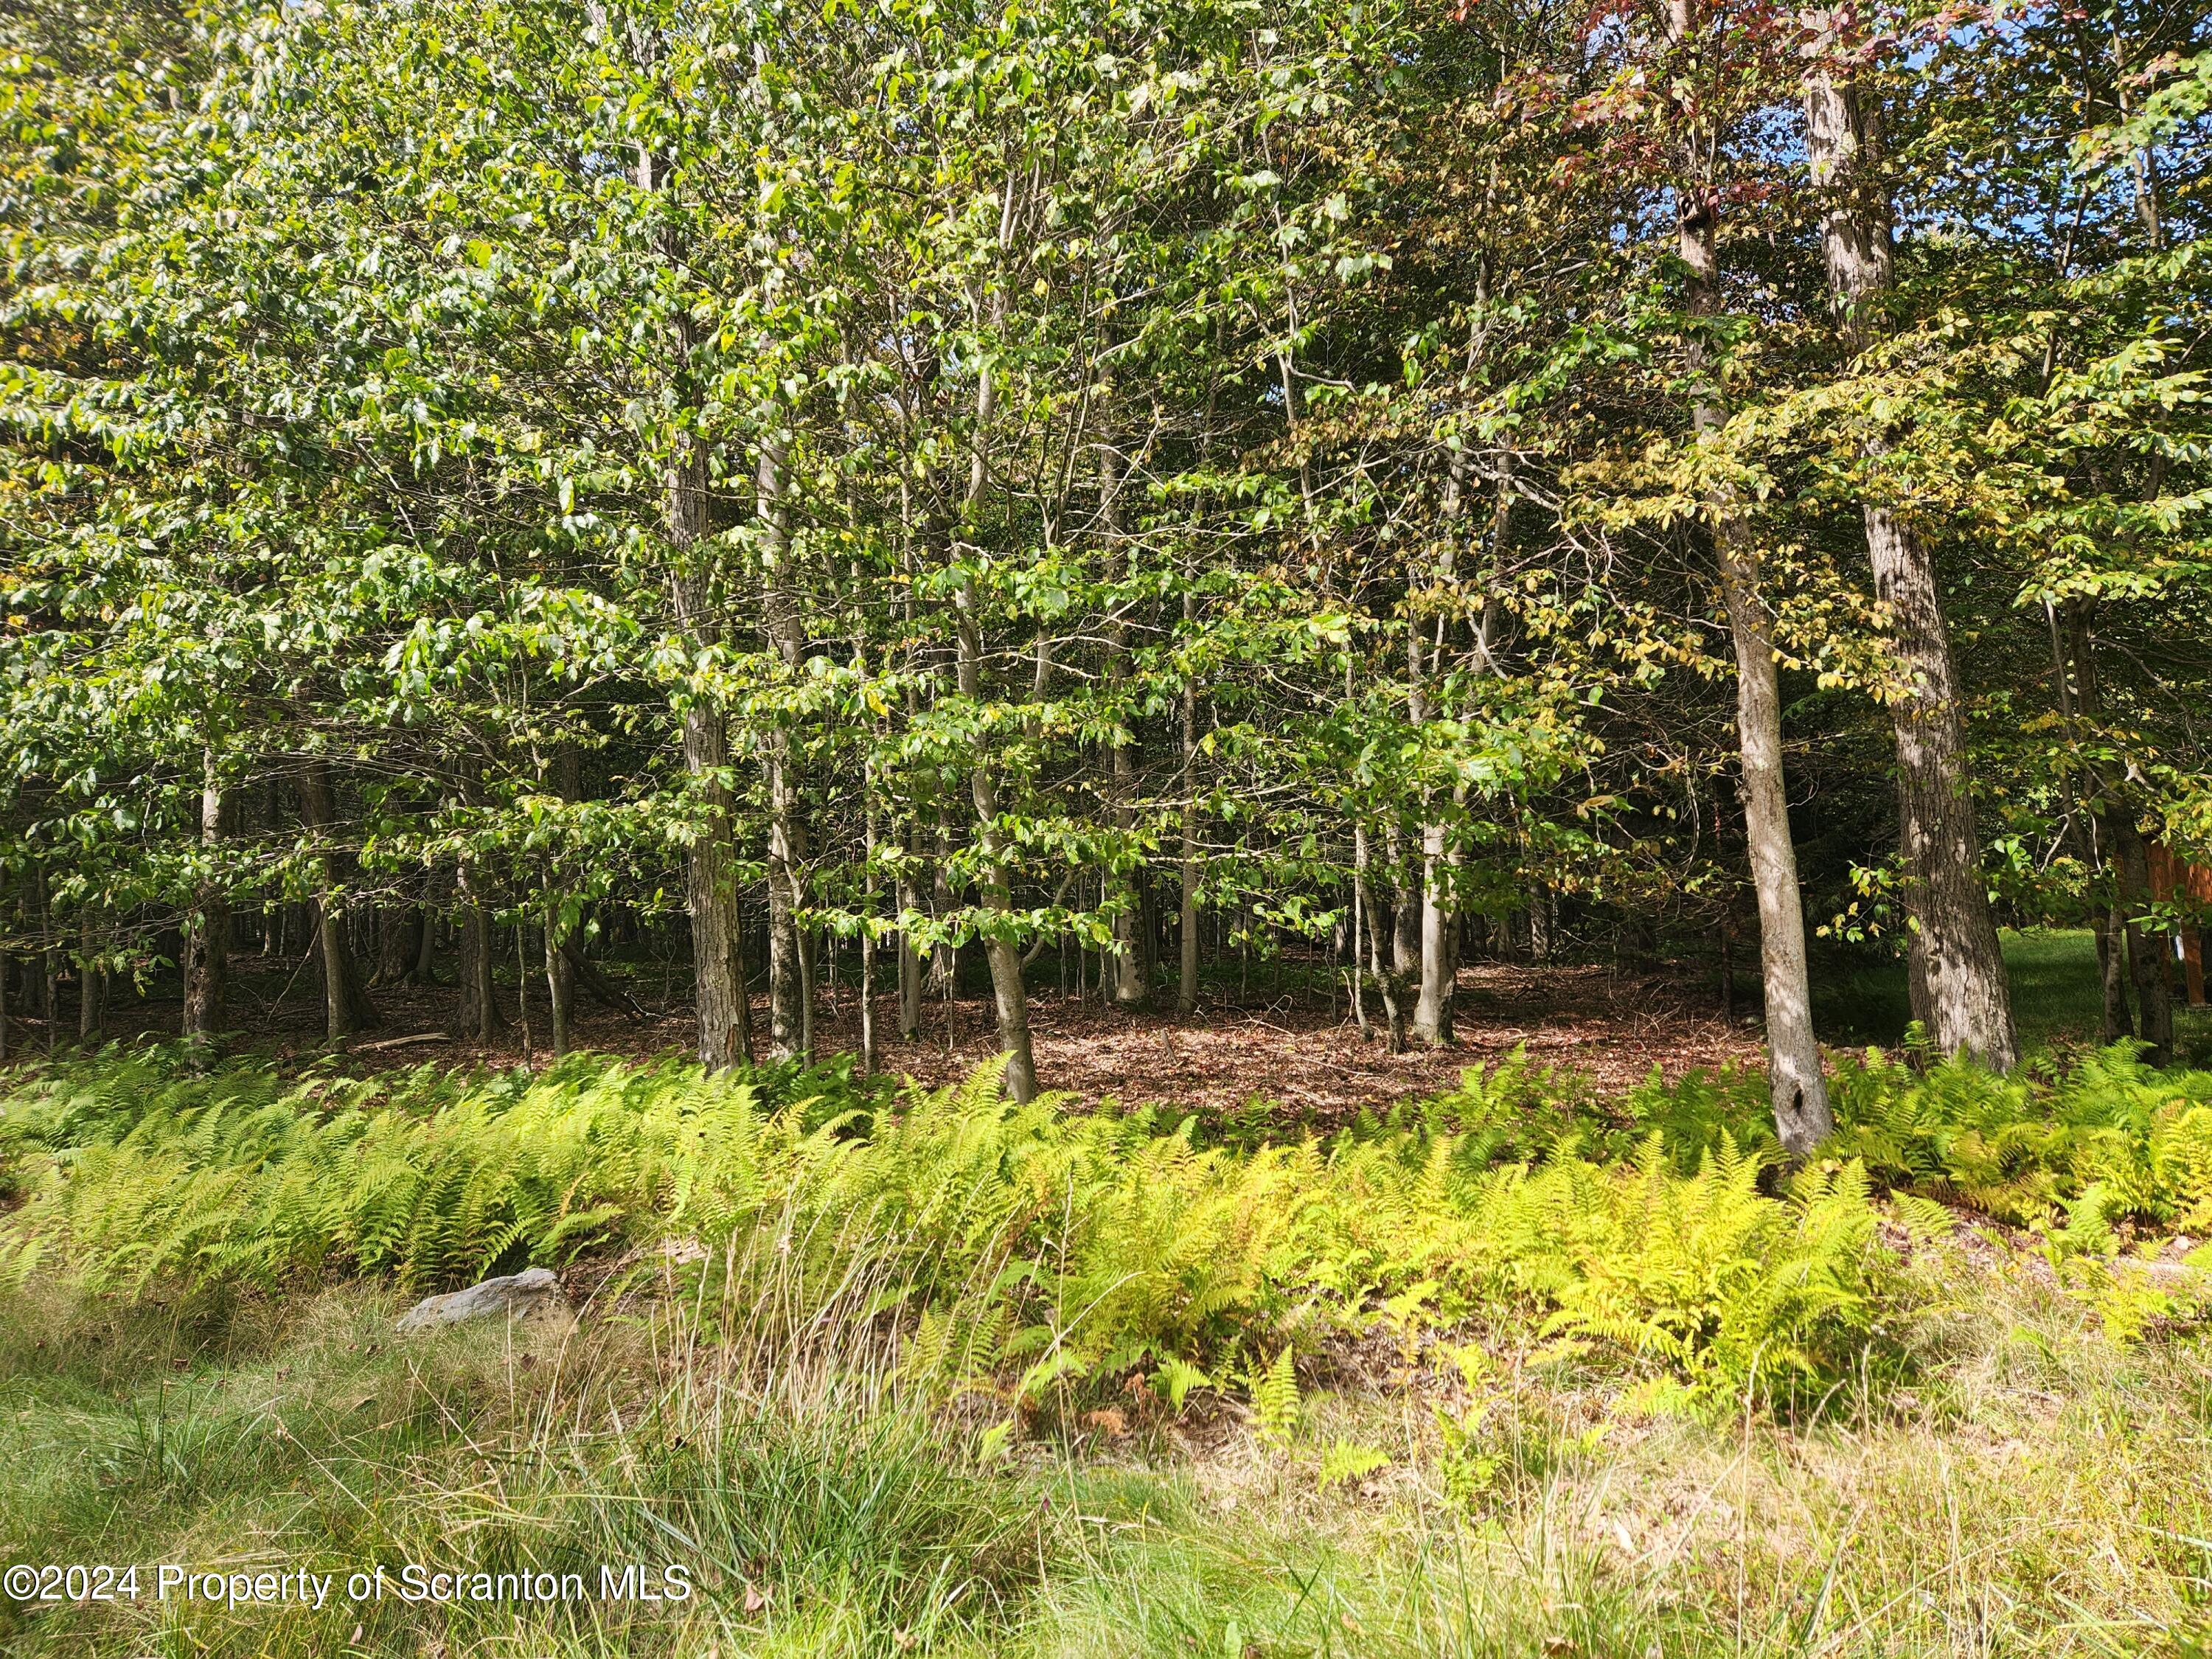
x=1960, y=960
x=207, y=938
x=710, y=873
x=560, y=969
x=1187, y=914
x=1005, y=960
x=710, y=876
x=790, y=966
x=1795, y=1084
x=1127, y=964
x=347, y=1008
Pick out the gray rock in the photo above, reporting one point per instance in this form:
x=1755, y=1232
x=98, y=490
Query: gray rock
x=534, y=1293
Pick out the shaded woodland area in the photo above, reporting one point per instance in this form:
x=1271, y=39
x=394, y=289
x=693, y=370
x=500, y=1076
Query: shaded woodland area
x=711, y=525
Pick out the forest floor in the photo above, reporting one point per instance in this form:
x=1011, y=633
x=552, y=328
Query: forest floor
x=1287, y=1039
x=1290, y=1046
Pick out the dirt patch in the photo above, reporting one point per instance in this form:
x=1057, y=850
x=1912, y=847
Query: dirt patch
x=1310, y=1058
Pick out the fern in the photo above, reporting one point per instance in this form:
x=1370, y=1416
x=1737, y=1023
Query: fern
x=1347, y=1464
x=1276, y=1407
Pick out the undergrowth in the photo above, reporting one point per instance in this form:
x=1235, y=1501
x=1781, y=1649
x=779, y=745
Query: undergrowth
x=1051, y=1251
x=2024, y=1150
x=1517, y=1371
x=1055, y=1252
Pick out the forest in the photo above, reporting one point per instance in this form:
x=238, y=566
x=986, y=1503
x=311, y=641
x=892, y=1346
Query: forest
x=1408, y=761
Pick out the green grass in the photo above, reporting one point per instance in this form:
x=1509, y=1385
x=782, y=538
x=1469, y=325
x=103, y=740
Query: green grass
x=2040, y=1494
x=903, y=1378
x=2057, y=998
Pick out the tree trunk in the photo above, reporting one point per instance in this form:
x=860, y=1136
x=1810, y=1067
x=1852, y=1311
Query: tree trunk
x=790, y=988
x=1188, y=940
x=1000, y=950
x=868, y=956
x=710, y=882
x=710, y=875
x=398, y=945
x=425, y=970
x=909, y=959
x=1795, y=1084
x=91, y=985
x=2112, y=974
x=478, y=1013
x=1389, y=984
x=522, y=985
x=49, y=956
x=1128, y=967
x=1799, y=1093
x=347, y=1008
x=560, y=968
x=207, y=936
x=1405, y=911
x=1432, y=1011
x=2147, y=950
x=999, y=953
x=560, y=982
x=1969, y=1002
x=1439, y=918
x=944, y=957
x=2128, y=946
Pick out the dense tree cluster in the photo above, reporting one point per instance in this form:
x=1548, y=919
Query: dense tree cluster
x=902, y=477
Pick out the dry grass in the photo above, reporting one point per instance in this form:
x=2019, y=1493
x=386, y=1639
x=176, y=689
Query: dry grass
x=2042, y=1489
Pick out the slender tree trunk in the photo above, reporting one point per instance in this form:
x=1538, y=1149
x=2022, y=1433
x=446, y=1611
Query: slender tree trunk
x=1389, y=984
x=1127, y=968
x=478, y=1013
x=1432, y=1011
x=909, y=959
x=522, y=985
x=790, y=988
x=710, y=873
x=1799, y=1093
x=1439, y=918
x=710, y=876
x=49, y=956
x=1405, y=912
x=207, y=937
x=1187, y=939
x=944, y=958
x=560, y=982
x=1360, y=932
x=2129, y=945
x=1969, y=1001
x=425, y=970
x=347, y=1008
x=999, y=951
x=2145, y=949
x=868, y=956
x=2110, y=925
x=1795, y=1083
x=560, y=968
x=91, y=984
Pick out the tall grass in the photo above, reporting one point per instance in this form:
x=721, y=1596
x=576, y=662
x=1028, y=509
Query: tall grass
x=1519, y=1373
